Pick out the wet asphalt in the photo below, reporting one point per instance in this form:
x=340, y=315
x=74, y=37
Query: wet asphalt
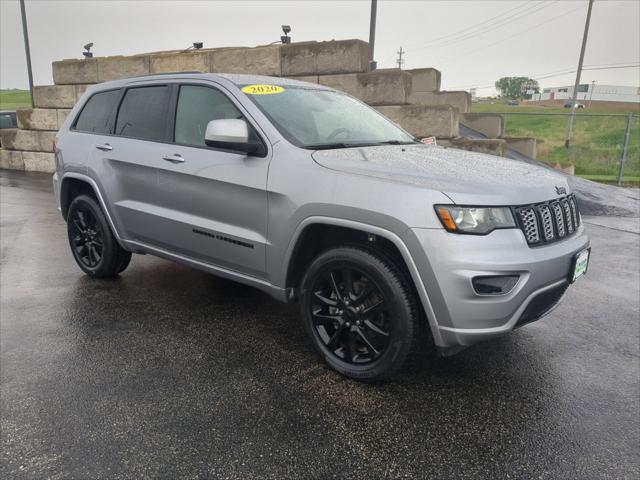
x=167, y=372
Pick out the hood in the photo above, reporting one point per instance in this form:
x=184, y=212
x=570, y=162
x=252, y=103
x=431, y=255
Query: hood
x=468, y=178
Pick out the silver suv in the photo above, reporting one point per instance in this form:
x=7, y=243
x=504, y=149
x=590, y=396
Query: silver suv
x=302, y=191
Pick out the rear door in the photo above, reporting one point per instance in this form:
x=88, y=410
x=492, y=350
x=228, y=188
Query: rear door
x=212, y=203
x=126, y=161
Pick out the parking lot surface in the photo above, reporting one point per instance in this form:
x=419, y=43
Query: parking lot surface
x=169, y=372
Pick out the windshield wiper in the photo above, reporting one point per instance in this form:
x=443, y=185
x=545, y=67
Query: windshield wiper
x=330, y=146
x=394, y=142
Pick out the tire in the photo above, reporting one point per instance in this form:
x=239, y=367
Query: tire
x=92, y=243
x=365, y=324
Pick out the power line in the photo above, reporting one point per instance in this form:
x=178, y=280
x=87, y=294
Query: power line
x=473, y=34
x=472, y=27
x=517, y=34
x=557, y=73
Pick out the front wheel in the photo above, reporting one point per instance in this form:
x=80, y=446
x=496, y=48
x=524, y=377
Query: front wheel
x=360, y=313
x=93, y=246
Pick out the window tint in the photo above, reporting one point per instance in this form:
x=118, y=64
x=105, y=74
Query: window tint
x=142, y=113
x=97, y=111
x=197, y=106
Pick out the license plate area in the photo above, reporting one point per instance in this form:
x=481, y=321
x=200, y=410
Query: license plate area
x=579, y=265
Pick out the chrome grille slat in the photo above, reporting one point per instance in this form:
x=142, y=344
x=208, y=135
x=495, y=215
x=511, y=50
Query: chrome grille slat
x=557, y=211
x=530, y=225
x=567, y=215
x=549, y=221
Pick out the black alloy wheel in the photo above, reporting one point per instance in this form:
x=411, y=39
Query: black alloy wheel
x=350, y=315
x=93, y=245
x=87, y=237
x=360, y=312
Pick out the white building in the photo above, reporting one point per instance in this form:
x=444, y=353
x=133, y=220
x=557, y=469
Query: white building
x=590, y=91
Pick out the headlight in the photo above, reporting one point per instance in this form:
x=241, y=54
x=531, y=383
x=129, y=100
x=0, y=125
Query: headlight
x=478, y=220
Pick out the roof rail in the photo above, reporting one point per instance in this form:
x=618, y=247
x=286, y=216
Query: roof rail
x=165, y=73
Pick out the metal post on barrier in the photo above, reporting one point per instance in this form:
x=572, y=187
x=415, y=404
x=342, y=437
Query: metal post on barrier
x=625, y=148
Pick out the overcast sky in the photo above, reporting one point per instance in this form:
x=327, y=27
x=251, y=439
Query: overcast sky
x=472, y=42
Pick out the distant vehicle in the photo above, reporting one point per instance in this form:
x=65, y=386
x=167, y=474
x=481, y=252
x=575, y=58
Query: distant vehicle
x=578, y=105
x=307, y=193
x=8, y=120
x=514, y=102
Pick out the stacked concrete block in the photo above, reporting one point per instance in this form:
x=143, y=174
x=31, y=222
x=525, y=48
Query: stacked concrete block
x=382, y=87
x=258, y=60
x=524, y=145
x=11, y=159
x=492, y=146
x=424, y=121
x=323, y=58
x=411, y=98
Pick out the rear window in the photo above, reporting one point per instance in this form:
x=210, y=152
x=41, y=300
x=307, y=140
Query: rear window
x=97, y=111
x=142, y=113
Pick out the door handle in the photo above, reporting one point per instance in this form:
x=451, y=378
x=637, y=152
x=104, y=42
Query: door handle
x=105, y=147
x=175, y=158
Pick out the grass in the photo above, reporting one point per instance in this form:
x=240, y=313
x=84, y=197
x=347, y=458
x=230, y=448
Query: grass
x=14, y=99
x=597, y=141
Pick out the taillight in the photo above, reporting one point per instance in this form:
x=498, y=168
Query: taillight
x=54, y=144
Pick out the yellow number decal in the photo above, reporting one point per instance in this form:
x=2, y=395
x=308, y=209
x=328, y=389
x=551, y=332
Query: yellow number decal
x=262, y=89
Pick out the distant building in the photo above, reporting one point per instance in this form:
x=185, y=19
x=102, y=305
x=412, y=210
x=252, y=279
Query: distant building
x=589, y=91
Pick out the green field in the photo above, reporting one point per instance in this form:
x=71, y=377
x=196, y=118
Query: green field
x=597, y=141
x=14, y=99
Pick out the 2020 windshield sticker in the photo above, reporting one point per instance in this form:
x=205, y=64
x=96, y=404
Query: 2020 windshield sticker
x=262, y=89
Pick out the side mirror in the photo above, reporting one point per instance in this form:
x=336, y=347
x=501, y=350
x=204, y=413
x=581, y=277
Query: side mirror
x=230, y=134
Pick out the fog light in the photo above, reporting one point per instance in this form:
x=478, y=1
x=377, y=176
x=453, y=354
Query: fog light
x=495, y=285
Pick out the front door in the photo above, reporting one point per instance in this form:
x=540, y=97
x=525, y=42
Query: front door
x=212, y=203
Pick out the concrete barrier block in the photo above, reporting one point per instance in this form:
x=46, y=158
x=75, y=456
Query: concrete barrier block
x=491, y=146
x=308, y=58
x=257, y=61
x=11, y=159
x=489, y=124
x=112, y=68
x=45, y=141
x=80, y=89
x=8, y=137
x=306, y=78
x=69, y=72
x=198, y=61
x=39, y=162
x=382, y=87
x=62, y=114
x=523, y=145
x=20, y=139
x=54, y=96
x=424, y=121
x=37, y=118
x=425, y=79
x=460, y=100
x=343, y=56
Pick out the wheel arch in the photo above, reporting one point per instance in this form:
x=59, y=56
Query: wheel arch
x=334, y=232
x=74, y=184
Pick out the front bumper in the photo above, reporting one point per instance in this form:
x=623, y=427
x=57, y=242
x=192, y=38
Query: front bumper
x=447, y=263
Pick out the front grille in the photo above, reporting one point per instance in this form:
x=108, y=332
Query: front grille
x=549, y=221
x=541, y=304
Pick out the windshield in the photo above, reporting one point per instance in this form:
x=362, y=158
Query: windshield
x=319, y=119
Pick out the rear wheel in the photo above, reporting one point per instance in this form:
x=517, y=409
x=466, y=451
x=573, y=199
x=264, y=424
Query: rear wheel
x=360, y=313
x=92, y=243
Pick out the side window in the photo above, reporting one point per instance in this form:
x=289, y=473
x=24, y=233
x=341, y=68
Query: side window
x=197, y=106
x=142, y=113
x=96, y=113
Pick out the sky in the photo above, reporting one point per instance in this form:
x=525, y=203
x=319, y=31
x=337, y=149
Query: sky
x=472, y=42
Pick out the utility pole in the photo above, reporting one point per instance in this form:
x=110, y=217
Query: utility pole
x=27, y=50
x=400, y=60
x=625, y=148
x=593, y=87
x=567, y=138
x=372, y=34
